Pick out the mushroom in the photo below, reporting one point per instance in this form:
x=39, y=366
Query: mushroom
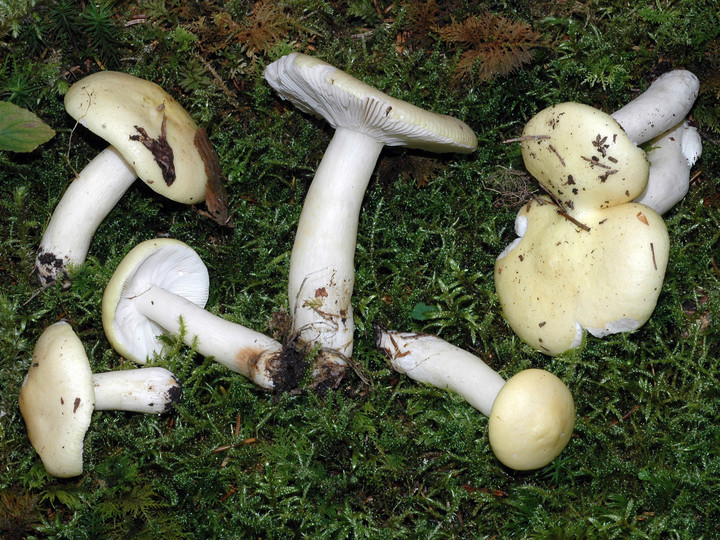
x=586, y=256
x=657, y=115
x=161, y=287
x=665, y=103
x=151, y=136
x=321, y=276
x=671, y=157
x=60, y=393
x=532, y=415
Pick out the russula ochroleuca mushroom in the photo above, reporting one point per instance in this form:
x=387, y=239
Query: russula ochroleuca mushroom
x=532, y=415
x=322, y=274
x=161, y=287
x=658, y=115
x=671, y=157
x=151, y=136
x=586, y=256
x=60, y=393
x=664, y=104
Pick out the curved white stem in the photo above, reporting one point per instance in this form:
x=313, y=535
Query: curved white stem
x=146, y=390
x=671, y=157
x=236, y=347
x=322, y=273
x=663, y=105
x=87, y=201
x=431, y=360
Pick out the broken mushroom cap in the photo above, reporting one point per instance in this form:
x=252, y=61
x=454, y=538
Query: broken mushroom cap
x=532, y=420
x=147, y=126
x=582, y=157
x=57, y=400
x=164, y=262
x=321, y=89
x=557, y=279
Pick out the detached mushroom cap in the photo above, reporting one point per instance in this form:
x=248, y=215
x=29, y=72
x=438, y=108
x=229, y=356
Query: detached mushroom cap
x=531, y=420
x=165, y=262
x=320, y=89
x=151, y=130
x=57, y=400
x=583, y=157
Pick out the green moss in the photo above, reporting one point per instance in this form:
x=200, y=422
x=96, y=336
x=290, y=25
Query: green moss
x=381, y=456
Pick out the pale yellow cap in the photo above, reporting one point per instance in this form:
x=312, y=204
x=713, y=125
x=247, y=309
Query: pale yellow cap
x=119, y=107
x=57, y=400
x=531, y=420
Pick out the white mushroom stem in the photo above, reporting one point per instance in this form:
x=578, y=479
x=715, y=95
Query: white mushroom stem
x=87, y=201
x=322, y=271
x=236, y=347
x=146, y=390
x=663, y=105
x=431, y=360
x=671, y=156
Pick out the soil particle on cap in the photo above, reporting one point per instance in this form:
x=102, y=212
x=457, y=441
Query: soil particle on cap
x=160, y=149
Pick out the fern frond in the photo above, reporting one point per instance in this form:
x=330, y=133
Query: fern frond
x=498, y=46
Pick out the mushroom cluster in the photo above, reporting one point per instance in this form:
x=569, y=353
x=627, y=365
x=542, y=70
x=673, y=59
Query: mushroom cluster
x=586, y=258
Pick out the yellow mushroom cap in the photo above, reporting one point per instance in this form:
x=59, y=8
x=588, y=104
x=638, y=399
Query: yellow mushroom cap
x=582, y=157
x=57, y=400
x=119, y=107
x=531, y=420
x=558, y=279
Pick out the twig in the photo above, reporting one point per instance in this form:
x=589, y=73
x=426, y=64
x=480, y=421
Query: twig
x=652, y=248
x=574, y=221
x=526, y=138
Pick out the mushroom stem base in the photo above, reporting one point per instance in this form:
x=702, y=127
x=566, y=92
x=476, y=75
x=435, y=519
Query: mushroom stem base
x=238, y=348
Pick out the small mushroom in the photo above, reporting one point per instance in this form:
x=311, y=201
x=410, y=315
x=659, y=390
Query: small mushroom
x=322, y=276
x=532, y=415
x=60, y=393
x=161, y=287
x=151, y=136
x=586, y=257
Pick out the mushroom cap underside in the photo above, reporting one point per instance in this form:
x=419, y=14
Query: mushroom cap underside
x=151, y=130
x=57, y=400
x=318, y=88
x=558, y=278
x=163, y=262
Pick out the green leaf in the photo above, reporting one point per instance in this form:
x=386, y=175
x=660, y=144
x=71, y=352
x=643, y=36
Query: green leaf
x=21, y=130
x=421, y=311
